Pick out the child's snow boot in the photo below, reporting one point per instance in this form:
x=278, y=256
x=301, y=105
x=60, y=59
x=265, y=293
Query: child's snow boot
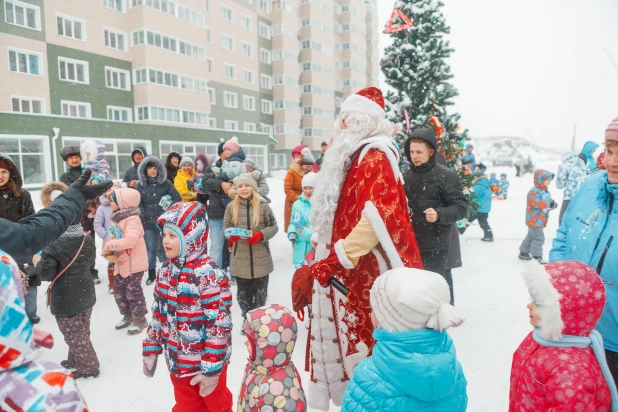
x=126, y=321
x=152, y=276
x=93, y=374
x=138, y=325
x=66, y=364
x=524, y=256
x=95, y=276
x=540, y=259
x=487, y=239
x=110, y=278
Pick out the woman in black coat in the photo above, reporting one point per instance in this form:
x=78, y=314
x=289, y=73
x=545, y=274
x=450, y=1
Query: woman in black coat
x=436, y=200
x=172, y=165
x=16, y=204
x=153, y=186
x=72, y=295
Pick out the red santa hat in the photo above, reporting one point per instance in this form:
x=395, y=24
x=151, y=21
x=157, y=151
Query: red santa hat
x=369, y=101
x=569, y=295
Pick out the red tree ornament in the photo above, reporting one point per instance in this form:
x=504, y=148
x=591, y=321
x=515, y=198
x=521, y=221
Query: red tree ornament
x=435, y=121
x=390, y=28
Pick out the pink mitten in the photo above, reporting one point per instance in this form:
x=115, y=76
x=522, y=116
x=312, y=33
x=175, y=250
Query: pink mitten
x=207, y=383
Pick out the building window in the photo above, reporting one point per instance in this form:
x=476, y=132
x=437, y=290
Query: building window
x=245, y=22
x=230, y=100
x=118, y=114
x=248, y=103
x=212, y=94
x=265, y=56
x=209, y=35
x=212, y=123
x=247, y=50
x=228, y=42
x=71, y=70
x=264, y=30
x=230, y=71
x=27, y=105
x=26, y=62
x=267, y=106
x=191, y=117
x=117, y=78
x=115, y=39
x=231, y=125
x=29, y=154
x=265, y=128
x=247, y=76
x=70, y=27
x=22, y=14
x=266, y=81
x=249, y=127
x=117, y=5
x=211, y=66
x=75, y=109
x=227, y=14
x=145, y=36
x=208, y=5
x=257, y=153
x=265, y=6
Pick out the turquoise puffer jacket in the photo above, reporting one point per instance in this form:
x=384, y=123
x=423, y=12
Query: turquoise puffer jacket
x=588, y=232
x=300, y=229
x=415, y=370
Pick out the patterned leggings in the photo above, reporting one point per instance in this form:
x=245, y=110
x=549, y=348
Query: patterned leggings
x=130, y=296
x=76, y=332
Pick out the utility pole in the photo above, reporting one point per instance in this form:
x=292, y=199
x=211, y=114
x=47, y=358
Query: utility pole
x=574, y=137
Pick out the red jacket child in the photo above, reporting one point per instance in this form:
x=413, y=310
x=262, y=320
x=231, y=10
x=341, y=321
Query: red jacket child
x=555, y=367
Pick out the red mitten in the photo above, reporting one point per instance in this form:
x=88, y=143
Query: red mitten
x=232, y=240
x=325, y=269
x=255, y=238
x=302, y=285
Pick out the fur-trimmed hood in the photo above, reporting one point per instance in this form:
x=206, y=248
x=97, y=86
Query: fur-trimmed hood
x=122, y=214
x=68, y=151
x=205, y=160
x=47, y=193
x=150, y=161
x=14, y=172
x=569, y=296
x=96, y=148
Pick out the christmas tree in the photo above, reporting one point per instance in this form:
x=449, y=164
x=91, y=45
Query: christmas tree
x=416, y=69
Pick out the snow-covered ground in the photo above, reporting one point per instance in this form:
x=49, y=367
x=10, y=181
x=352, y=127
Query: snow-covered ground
x=489, y=293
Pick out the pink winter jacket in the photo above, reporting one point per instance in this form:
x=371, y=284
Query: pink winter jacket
x=563, y=379
x=132, y=257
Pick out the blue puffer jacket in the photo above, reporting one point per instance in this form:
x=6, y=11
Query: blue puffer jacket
x=469, y=157
x=588, y=231
x=539, y=202
x=299, y=229
x=591, y=162
x=483, y=193
x=415, y=370
x=571, y=175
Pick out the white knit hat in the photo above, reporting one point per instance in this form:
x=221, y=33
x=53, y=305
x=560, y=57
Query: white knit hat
x=310, y=179
x=406, y=299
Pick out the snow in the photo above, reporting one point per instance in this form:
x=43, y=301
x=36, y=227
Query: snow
x=489, y=293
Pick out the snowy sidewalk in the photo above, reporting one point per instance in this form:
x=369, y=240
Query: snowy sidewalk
x=489, y=293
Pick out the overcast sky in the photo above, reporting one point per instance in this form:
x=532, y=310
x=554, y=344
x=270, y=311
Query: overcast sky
x=532, y=68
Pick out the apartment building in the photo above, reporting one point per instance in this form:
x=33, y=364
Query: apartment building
x=177, y=75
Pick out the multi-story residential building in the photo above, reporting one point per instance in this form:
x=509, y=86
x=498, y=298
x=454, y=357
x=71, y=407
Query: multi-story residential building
x=177, y=75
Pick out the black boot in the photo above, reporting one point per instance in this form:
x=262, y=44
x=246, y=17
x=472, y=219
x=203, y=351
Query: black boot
x=152, y=276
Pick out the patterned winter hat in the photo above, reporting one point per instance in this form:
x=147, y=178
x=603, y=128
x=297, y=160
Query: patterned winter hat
x=611, y=133
x=569, y=295
x=192, y=220
x=407, y=299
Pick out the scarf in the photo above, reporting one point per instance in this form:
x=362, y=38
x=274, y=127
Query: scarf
x=596, y=342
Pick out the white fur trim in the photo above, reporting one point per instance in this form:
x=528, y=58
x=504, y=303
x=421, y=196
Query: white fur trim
x=383, y=236
x=353, y=360
x=383, y=144
x=360, y=104
x=381, y=261
x=547, y=300
x=342, y=256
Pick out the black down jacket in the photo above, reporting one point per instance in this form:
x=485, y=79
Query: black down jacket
x=74, y=291
x=131, y=173
x=171, y=169
x=433, y=186
x=152, y=190
x=70, y=176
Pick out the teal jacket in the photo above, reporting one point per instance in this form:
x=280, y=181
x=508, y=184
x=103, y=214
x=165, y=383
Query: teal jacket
x=299, y=229
x=415, y=370
x=483, y=193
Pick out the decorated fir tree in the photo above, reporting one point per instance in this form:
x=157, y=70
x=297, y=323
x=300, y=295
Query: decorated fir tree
x=416, y=69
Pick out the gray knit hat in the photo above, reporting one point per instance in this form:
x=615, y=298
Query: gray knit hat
x=249, y=162
x=248, y=178
x=186, y=160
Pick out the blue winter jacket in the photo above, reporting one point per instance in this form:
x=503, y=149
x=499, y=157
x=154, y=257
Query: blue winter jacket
x=590, y=147
x=483, y=193
x=504, y=186
x=493, y=181
x=415, y=370
x=469, y=157
x=299, y=229
x=588, y=232
x=571, y=174
x=539, y=202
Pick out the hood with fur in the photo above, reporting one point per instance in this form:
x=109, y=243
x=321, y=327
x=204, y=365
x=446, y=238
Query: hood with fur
x=192, y=220
x=15, y=176
x=96, y=149
x=205, y=160
x=150, y=161
x=50, y=192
